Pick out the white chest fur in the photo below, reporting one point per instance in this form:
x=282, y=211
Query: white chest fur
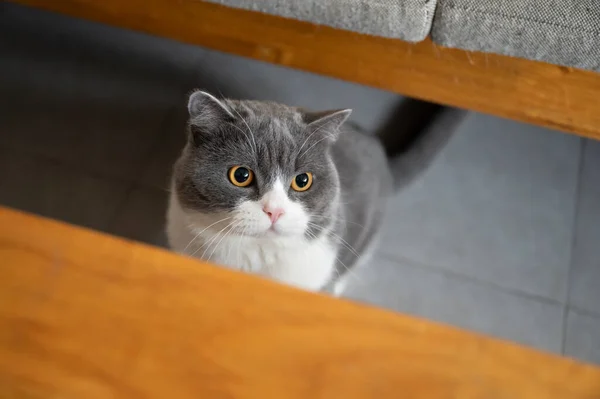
x=305, y=264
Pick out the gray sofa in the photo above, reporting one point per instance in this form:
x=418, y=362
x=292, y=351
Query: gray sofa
x=562, y=32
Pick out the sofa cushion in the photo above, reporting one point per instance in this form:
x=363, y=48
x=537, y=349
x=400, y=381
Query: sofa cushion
x=564, y=32
x=401, y=19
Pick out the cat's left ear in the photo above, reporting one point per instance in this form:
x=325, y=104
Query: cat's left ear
x=206, y=111
x=329, y=122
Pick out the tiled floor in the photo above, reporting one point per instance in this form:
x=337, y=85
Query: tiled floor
x=500, y=236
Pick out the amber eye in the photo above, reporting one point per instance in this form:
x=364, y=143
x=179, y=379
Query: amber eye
x=302, y=182
x=241, y=176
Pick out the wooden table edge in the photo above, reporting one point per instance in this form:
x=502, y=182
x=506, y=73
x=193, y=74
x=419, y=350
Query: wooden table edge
x=528, y=91
x=83, y=314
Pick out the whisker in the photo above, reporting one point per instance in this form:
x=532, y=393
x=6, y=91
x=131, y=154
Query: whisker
x=240, y=247
x=250, y=130
x=209, y=243
x=309, y=148
x=341, y=219
x=310, y=135
x=198, y=235
x=348, y=270
x=222, y=238
x=245, y=135
x=344, y=242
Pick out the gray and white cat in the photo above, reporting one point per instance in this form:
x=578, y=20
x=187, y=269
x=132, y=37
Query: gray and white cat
x=292, y=195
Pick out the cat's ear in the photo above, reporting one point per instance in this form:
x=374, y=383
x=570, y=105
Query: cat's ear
x=207, y=112
x=328, y=122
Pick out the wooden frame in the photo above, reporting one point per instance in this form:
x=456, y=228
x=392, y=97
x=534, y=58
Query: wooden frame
x=85, y=315
x=543, y=94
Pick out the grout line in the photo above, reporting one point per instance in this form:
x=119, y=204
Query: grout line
x=471, y=279
x=578, y=188
x=143, y=166
x=584, y=312
x=163, y=131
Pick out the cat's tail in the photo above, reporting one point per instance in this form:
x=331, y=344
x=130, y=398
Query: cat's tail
x=413, y=136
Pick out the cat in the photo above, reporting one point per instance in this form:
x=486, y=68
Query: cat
x=279, y=191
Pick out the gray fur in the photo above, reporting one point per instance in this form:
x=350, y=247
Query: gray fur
x=366, y=182
x=351, y=169
x=272, y=140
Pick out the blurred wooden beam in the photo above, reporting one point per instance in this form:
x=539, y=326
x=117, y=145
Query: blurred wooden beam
x=528, y=91
x=86, y=315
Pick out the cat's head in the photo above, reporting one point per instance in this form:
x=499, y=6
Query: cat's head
x=258, y=169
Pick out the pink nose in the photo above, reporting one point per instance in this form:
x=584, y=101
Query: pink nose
x=273, y=214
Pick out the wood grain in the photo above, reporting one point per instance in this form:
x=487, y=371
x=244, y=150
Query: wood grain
x=543, y=94
x=84, y=315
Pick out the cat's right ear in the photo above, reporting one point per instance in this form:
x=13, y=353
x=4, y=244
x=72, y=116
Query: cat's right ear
x=207, y=112
x=327, y=121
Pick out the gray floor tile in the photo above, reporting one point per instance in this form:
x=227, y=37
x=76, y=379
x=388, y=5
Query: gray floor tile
x=436, y=295
x=58, y=191
x=87, y=41
x=497, y=204
x=583, y=337
x=89, y=95
x=244, y=78
x=585, y=278
x=142, y=218
x=157, y=172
